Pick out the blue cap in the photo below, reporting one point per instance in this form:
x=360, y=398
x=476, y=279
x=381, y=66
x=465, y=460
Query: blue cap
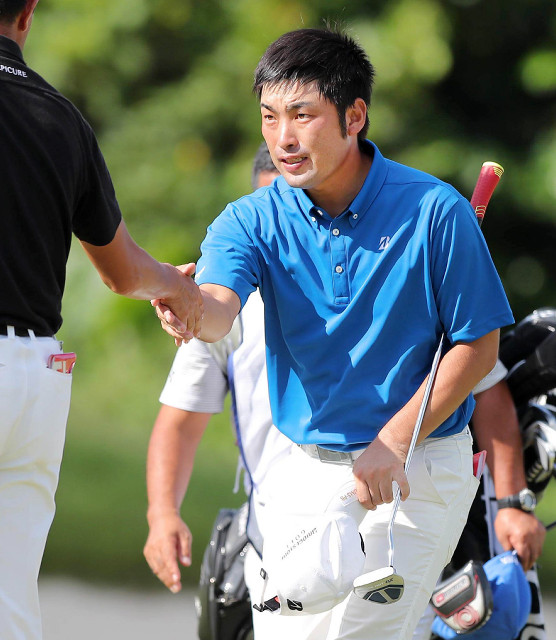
x=511, y=596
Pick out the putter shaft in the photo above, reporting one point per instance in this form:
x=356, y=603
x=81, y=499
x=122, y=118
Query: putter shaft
x=414, y=436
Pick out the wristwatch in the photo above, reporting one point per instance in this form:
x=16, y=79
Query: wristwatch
x=524, y=500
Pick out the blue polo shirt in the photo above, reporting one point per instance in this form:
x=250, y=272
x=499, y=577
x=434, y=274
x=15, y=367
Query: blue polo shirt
x=355, y=305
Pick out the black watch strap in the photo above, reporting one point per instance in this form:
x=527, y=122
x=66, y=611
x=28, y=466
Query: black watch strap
x=525, y=500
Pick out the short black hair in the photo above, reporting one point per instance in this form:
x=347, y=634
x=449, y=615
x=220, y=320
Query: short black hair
x=261, y=162
x=10, y=9
x=332, y=59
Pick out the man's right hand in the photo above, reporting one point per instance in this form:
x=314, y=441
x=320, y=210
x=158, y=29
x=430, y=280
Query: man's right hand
x=168, y=545
x=377, y=468
x=181, y=314
x=521, y=531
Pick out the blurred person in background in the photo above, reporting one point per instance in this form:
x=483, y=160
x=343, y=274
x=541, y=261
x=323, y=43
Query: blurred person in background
x=53, y=182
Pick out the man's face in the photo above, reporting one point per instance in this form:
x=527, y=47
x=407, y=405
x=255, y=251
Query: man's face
x=302, y=131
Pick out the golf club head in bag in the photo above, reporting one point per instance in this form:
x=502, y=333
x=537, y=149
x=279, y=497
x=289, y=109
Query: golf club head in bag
x=529, y=354
x=464, y=601
x=222, y=604
x=518, y=344
x=383, y=586
x=538, y=430
x=511, y=602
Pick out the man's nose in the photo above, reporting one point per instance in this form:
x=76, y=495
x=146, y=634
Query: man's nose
x=286, y=135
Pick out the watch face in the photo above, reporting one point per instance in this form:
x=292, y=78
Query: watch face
x=527, y=500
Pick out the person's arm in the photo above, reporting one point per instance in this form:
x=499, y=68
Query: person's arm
x=463, y=366
x=174, y=440
x=496, y=430
x=129, y=270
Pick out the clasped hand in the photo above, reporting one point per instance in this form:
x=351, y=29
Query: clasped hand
x=181, y=314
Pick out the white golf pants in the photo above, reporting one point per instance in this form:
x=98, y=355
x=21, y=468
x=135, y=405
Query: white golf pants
x=34, y=410
x=427, y=528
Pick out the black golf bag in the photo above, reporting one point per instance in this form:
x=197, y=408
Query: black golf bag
x=222, y=604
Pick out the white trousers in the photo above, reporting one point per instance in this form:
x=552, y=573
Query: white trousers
x=34, y=410
x=428, y=526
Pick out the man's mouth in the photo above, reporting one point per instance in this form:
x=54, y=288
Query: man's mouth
x=295, y=160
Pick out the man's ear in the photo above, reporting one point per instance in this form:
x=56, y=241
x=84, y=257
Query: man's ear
x=26, y=16
x=356, y=116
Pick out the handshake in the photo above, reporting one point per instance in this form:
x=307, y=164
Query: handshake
x=181, y=313
x=188, y=306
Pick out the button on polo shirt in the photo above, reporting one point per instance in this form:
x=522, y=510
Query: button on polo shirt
x=353, y=318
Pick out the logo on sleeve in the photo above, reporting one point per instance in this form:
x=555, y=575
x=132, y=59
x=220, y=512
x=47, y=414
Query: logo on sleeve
x=13, y=70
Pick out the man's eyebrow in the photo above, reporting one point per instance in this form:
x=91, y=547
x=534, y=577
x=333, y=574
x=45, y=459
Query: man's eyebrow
x=291, y=107
x=267, y=106
x=299, y=105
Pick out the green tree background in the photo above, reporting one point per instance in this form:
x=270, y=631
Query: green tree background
x=167, y=86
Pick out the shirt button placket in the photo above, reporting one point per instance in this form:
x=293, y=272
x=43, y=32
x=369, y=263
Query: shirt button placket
x=339, y=275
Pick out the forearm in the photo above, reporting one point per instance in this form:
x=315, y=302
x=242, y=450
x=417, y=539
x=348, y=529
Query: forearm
x=496, y=430
x=147, y=279
x=461, y=368
x=170, y=458
x=220, y=308
x=129, y=270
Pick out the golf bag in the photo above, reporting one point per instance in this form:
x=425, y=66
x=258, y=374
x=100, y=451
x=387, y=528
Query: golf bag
x=529, y=354
x=222, y=604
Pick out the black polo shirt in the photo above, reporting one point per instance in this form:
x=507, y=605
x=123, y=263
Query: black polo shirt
x=53, y=181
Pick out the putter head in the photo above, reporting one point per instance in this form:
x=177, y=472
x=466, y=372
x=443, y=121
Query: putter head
x=383, y=586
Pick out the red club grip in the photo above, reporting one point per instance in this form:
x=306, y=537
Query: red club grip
x=489, y=176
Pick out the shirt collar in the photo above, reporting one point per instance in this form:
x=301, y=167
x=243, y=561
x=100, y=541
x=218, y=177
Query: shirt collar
x=362, y=201
x=10, y=49
x=371, y=187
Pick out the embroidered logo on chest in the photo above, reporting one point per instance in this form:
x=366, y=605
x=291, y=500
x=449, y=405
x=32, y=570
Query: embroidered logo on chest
x=384, y=242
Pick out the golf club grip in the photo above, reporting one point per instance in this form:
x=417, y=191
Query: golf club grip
x=489, y=176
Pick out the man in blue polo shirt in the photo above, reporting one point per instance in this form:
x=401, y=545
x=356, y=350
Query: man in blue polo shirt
x=362, y=264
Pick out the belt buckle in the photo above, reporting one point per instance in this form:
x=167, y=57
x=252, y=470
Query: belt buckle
x=335, y=457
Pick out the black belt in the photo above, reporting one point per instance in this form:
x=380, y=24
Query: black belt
x=22, y=333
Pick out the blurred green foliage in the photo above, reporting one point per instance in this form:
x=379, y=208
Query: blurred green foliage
x=167, y=87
